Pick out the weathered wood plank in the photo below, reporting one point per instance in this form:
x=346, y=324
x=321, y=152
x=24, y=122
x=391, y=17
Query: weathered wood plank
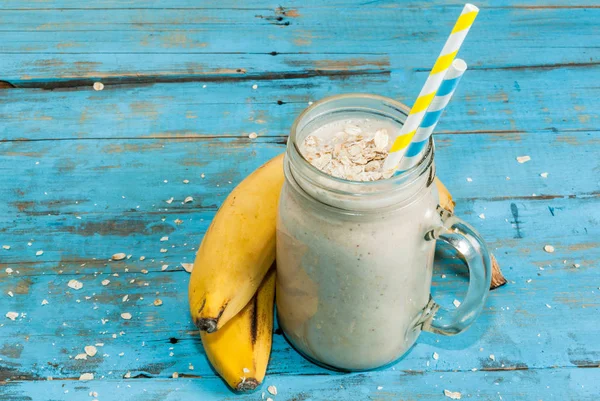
x=104, y=176
x=49, y=47
x=269, y=4
x=502, y=101
x=348, y=30
x=545, y=384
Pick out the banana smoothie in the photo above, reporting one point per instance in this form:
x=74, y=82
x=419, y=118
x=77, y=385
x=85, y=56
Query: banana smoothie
x=353, y=268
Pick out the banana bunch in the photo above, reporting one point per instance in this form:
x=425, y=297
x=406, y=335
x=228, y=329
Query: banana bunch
x=232, y=286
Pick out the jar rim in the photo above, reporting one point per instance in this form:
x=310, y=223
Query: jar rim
x=335, y=184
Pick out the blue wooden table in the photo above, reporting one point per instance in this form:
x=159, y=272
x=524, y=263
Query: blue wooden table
x=86, y=174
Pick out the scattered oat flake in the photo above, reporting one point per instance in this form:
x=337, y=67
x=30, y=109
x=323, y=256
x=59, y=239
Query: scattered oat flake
x=10, y=294
x=548, y=248
x=81, y=356
x=105, y=282
x=188, y=267
x=175, y=375
x=252, y=135
x=436, y=356
x=74, y=284
x=254, y=86
x=246, y=370
x=455, y=395
x=186, y=181
x=144, y=271
x=523, y=159
x=8, y=270
x=170, y=200
x=492, y=357
x=202, y=175
x=191, y=367
x=127, y=375
x=272, y=390
x=39, y=253
x=163, y=239
x=98, y=86
x=269, y=399
x=188, y=199
x=12, y=315
x=125, y=298
x=469, y=179
x=164, y=267
x=44, y=302
x=157, y=302
x=119, y=256
x=548, y=306
x=7, y=247
x=90, y=350
x=529, y=280
x=126, y=315
x=576, y=265
x=178, y=221
x=163, y=250
x=544, y=175
x=482, y=216
x=456, y=303
x=86, y=376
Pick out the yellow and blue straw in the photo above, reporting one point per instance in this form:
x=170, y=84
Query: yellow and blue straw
x=415, y=150
x=443, y=62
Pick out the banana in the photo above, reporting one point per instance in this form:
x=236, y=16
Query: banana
x=239, y=351
x=445, y=199
x=237, y=250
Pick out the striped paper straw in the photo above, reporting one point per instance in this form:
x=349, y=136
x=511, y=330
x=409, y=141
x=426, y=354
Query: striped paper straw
x=455, y=40
x=415, y=150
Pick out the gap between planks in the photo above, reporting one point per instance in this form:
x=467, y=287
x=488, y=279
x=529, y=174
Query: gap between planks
x=239, y=76
x=282, y=139
x=148, y=376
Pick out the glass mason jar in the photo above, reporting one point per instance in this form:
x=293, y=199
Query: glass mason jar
x=354, y=259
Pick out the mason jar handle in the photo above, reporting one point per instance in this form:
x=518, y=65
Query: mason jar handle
x=469, y=244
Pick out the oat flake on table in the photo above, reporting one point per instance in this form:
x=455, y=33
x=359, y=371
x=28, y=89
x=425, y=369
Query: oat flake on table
x=455, y=395
x=12, y=315
x=74, y=284
x=352, y=154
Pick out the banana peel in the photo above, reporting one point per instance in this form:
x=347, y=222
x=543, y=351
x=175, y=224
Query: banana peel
x=239, y=351
x=237, y=250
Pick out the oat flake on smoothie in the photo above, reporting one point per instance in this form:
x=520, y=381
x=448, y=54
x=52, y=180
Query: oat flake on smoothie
x=355, y=152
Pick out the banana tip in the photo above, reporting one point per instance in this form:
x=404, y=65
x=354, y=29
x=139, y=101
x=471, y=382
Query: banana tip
x=247, y=385
x=208, y=325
